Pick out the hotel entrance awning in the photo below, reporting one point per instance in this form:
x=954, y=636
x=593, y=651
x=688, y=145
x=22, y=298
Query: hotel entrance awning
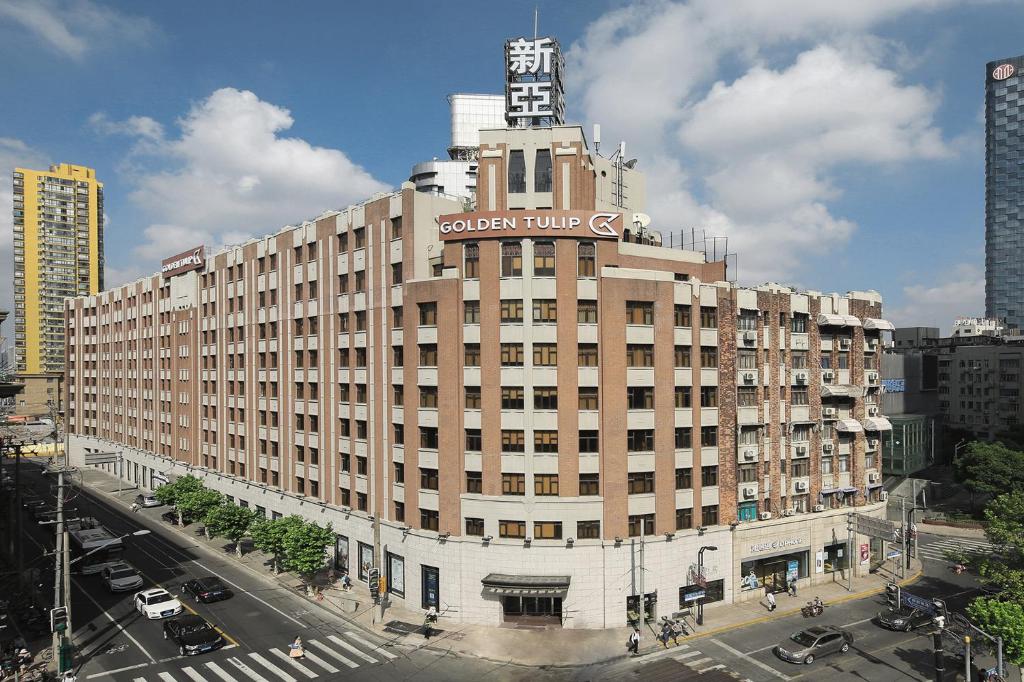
x=526, y=585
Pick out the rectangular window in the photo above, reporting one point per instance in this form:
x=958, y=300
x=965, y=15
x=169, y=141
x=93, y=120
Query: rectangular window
x=708, y=317
x=512, y=398
x=800, y=468
x=399, y=472
x=428, y=396
x=545, y=354
x=545, y=484
x=512, y=354
x=798, y=359
x=428, y=437
x=516, y=172
x=429, y=520
x=684, y=519
x=474, y=440
x=682, y=356
x=746, y=396
x=640, y=397
x=639, y=355
x=709, y=396
x=428, y=314
x=640, y=440
x=746, y=359
x=473, y=400
x=681, y=316
x=428, y=479
x=641, y=524
x=798, y=395
x=747, y=321
x=586, y=312
x=474, y=482
x=709, y=475
x=512, y=529
x=589, y=485
x=544, y=259
x=586, y=255
x=588, y=530
x=748, y=473
x=545, y=398
x=587, y=398
x=709, y=356
x=513, y=441
x=588, y=441
x=511, y=259
x=471, y=261
x=474, y=527
x=684, y=478
x=542, y=171
x=639, y=482
x=639, y=312
x=428, y=355
x=471, y=312
x=545, y=441
x=511, y=310
x=709, y=436
x=709, y=515
x=684, y=437
x=547, y=530
x=545, y=311
x=513, y=484
x=472, y=355
x=586, y=355
x=799, y=323
x=683, y=396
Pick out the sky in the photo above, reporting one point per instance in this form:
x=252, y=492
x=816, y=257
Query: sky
x=838, y=145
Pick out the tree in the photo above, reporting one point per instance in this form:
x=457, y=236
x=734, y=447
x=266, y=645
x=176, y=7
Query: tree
x=306, y=550
x=170, y=493
x=269, y=537
x=990, y=468
x=1004, y=619
x=229, y=521
x=1004, y=568
x=194, y=504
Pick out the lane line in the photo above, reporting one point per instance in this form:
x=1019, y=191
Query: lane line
x=331, y=652
x=739, y=654
x=271, y=667
x=246, y=670
x=294, y=662
x=377, y=648
x=218, y=671
x=345, y=645
x=118, y=670
x=192, y=674
x=111, y=619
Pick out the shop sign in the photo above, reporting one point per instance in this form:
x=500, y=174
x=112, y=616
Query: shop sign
x=864, y=554
x=819, y=562
x=1002, y=72
x=193, y=259
x=893, y=554
x=533, y=81
x=776, y=544
x=694, y=596
x=542, y=224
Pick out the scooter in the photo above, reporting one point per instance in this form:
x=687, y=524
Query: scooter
x=813, y=608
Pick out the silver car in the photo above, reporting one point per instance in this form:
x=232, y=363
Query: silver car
x=121, y=577
x=148, y=500
x=806, y=645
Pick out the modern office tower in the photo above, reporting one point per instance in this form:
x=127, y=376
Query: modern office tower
x=1004, y=192
x=58, y=254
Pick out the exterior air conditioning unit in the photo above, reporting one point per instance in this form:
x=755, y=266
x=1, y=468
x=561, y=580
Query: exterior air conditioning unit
x=750, y=454
x=819, y=507
x=828, y=375
x=749, y=337
x=789, y=512
x=749, y=493
x=872, y=377
x=872, y=411
x=873, y=442
x=801, y=450
x=800, y=486
x=884, y=495
x=765, y=516
x=844, y=343
x=829, y=411
x=827, y=447
x=873, y=477
x=748, y=377
x=801, y=377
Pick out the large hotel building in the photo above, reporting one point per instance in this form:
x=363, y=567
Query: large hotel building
x=531, y=412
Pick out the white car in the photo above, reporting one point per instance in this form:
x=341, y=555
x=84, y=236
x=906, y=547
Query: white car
x=156, y=603
x=121, y=577
x=148, y=500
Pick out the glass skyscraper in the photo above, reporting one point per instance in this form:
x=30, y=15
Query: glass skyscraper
x=1004, y=190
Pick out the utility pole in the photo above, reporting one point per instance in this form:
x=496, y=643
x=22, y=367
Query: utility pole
x=905, y=564
x=940, y=663
x=849, y=552
x=643, y=595
x=58, y=577
x=967, y=659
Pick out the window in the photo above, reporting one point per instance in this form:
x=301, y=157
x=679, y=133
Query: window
x=545, y=441
x=586, y=259
x=709, y=356
x=586, y=355
x=684, y=437
x=586, y=312
x=397, y=356
x=588, y=398
x=547, y=530
x=844, y=361
x=360, y=238
x=709, y=436
x=684, y=519
x=512, y=441
x=544, y=259
x=396, y=316
x=639, y=440
x=545, y=311
x=472, y=398
x=396, y=273
x=471, y=312
x=683, y=396
x=428, y=479
x=542, y=171
x=512, y=529
x=471, y=261
x=588, y=530
x=588, y=441
x=511, y=259
x=709, y=475
x=682, y=356
x=681, y=316
x=399, y=472
x=513, y=484
x=639, y=312
x=474, y=440
x=844, y=463
x=799, y=323
x=709, y=515
x=474, y=527
x=472, y=355
x=545, y=354
x=474, y=482
x=428, y=437
x=640, y=397
x=748, y=473
x=708, y=317
x=747, y=321
x=799, y=468
x=746, y=359
x=429, y=520
x=516, y=172
x=684, y=478
x=639, y=482
x=589, y=484
x=428, y=314
x=827, y=464
x=512, y=354
x=639, y=355
x=428, y=355
x=545, y=484
x=798, y=395
x=798, y=359
x=512, y=398
x=399, y=395
x=545, y=398
x=641, y=524
x=746, y=396
x=709, y=396
x=511, y=310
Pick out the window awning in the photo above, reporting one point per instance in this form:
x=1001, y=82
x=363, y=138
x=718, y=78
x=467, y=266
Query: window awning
x=525, y=585
x=847, y=490
x=877, y=424
x=849, y=426
x=841, y=391
x=876, y=323
x=833, y=320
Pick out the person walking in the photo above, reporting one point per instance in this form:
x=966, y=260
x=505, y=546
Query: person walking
x=633, y=644
x=677, y=629
x=296, y=649
x=666, y=631
x=792, y=588
x=771, y=601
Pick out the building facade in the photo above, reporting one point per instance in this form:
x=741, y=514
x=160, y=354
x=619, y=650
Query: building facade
x=1004, y=192
x=58, y=254
x=529, y=412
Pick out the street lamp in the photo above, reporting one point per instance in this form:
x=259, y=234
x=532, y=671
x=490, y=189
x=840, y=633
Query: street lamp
x=700, y=574
x=956, y=449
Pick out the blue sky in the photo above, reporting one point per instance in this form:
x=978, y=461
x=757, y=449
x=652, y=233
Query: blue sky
x=838, y=145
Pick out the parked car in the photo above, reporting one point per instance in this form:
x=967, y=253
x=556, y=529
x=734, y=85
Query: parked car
x=157, y=603
x=206, y=590
x=192, y=634
x=147, y=500
x=809, y=644
x=121, y=577
x=904, y=618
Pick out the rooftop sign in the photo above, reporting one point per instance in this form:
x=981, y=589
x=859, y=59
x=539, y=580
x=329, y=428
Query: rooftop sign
x=543, y=224
x=1002, y=72
x=533, y=82
x=193, y=259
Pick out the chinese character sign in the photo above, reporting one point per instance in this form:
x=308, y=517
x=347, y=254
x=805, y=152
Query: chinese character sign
x=533, y=81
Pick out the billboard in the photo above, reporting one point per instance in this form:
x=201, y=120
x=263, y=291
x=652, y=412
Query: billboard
x=193, y=259
x=542, y=224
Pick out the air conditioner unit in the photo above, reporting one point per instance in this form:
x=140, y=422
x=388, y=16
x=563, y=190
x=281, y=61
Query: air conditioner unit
x=765, y=516
x=872, y=411
x=844, y=343
x=749, y=337
x=749, y=493
x=800, y=486
x=827, y=447
x=873, y=477
x=884, y=495
x=828, y=375
x=789, y=512
x=750, y=454
x=819, y=507
x=872, y=377
x=828, y=411
x=749, y=377
x=873, y=442
x=801, y=377
x=801, y=450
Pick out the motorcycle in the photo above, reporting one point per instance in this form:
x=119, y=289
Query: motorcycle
x=813, y=609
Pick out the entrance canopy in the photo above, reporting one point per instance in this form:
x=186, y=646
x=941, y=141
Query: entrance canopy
x=526, y=585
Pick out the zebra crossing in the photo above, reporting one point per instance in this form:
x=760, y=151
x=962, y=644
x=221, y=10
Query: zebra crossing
x=936, y=551
x=701, y=663
x=328, y=656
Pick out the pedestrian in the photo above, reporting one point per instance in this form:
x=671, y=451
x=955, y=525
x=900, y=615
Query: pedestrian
x=666, y=632
x=296, y=649
x=135, y=507
x=633, y=645
x=346, y=582
x=771, y=601
x=677, y=629
x=792, y=588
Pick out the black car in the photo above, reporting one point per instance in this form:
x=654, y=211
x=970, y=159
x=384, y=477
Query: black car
x=192, y=634
x=207, y=590
x=904, y=618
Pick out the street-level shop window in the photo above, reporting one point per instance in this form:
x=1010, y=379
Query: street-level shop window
x=712, y=592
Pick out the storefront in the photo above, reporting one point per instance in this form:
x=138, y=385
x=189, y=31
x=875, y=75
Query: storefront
x=773, y=564
x=528, y=599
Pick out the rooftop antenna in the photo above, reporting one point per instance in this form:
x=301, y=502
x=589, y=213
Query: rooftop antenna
x=536, y=11
x=597, y=139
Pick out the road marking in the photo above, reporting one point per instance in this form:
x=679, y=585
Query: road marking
x=139, y=679
x=342, y=643
x=753, y=661
x=111, y=619
x=294, y=662
x=688, y=654
x=239, y=587
x=709, y=668
x=118, y=670
x=327, y=650
x=757, y=651
x=167, y=677
x=699, y=661
x=379, y=648
x=249, y=672
x=190, y=671
x=320, y=662
x=270, y=666
x=218, y=671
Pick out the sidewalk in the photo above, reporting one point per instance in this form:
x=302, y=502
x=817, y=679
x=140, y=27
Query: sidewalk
x=951, y=531
x=517, y=646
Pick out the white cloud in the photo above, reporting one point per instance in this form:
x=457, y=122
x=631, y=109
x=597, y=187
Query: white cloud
x=74, y=27
x=13, y=153
x=231, y=174
x=960, y=293
x=763, y=102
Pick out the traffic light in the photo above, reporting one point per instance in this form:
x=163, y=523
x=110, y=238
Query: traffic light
x=58, y=619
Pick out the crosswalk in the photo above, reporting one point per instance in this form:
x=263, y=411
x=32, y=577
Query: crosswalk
x=936, y=551
x=701, y=663
x=328, y=656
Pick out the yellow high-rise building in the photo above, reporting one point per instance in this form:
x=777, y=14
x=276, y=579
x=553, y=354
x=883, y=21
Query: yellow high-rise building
x=58, y=253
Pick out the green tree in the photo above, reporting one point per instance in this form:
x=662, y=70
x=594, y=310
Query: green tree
x=171, y=492
x=269, y=537
x=990, y=468
x=1004, y=568
x=195, y=504
x=1000, y=618
x=306, y=550
x=229, y=521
